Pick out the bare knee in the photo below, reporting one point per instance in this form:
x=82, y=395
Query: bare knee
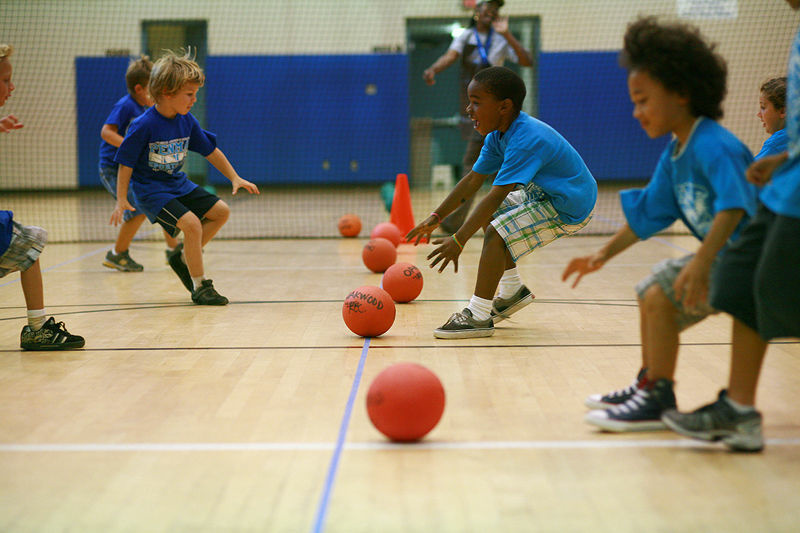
x=656, y=302
x=190, y=225
x=219, y=212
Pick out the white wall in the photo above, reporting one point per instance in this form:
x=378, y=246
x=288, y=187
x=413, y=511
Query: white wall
x=48, y=35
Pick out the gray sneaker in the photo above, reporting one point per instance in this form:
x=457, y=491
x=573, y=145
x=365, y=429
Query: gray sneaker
x=463, y=326
x=122, y=262
x=503, y=308
x=205, y=294
x=719, y=421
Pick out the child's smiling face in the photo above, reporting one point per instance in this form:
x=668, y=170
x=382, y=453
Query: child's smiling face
x=484, y=108
x=658, y=110
x=772, y=119
x=6, y=85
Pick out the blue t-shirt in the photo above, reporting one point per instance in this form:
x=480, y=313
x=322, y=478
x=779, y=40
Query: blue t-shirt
x=707, y=176
x=6, y=225
x=124, y=111
x=782, y=194
x=155, y=147
x=532, y=151
x=777, y=143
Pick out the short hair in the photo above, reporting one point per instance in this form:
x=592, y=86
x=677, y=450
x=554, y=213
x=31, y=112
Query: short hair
x=775, y=91
x=5, y=51
x=138, y=73
x=502, y=83
x=171, y=72
x=680, y=59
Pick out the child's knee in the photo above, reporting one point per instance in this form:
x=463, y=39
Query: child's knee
x=655, y=301
x=219, y=212
x=189, y=224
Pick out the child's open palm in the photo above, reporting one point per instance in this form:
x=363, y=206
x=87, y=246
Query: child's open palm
x=242, y=183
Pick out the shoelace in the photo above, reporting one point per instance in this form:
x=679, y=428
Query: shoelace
x=630, y=389
x=638, y=400
x=459, y=319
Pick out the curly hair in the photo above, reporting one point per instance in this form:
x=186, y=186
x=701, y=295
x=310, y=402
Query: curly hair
x=775, y=92
x=680, y=59
x=502, y=83
x=5, y=51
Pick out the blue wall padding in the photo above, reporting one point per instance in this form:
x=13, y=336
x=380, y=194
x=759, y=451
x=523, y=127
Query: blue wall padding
x=280, y=118
x=100, y=82
x=584, y=95
x=331, y=119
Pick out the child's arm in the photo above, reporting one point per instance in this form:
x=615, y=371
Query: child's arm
x=451, y=248
x=221, y=163
x=589, y=263
x=760, y=172
x=463, y=191
x=123, y=180
x=446, y=59
x=691, y=285
x=500, y=25
x=110, y=135
x=9, y=123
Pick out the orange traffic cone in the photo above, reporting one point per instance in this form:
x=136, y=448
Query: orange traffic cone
x=402, y=215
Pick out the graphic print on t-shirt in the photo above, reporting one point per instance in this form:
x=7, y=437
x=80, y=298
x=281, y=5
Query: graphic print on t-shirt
x=168, y=156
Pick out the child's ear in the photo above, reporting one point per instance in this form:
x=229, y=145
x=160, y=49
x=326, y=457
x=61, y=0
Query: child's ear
x=506, y=105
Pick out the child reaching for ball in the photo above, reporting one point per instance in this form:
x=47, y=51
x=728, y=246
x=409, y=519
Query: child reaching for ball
x=543, y=191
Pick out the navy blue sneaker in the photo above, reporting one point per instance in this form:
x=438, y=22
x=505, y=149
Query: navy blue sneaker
x=642, y=412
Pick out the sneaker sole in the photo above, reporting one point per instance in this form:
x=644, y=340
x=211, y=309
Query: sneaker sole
x=596, y=404
x=53, y=347
x=497, y=317
x=619, y=426
x=736, y=441
x=463, y=334
x=121, y=268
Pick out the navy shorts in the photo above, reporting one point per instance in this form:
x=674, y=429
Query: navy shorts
x=757, y=278
x=199, y=201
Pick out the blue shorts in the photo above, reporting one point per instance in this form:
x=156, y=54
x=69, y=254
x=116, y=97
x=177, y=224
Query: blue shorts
x=108, y=177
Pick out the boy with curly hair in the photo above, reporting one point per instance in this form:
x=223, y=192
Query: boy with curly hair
x=676, y=83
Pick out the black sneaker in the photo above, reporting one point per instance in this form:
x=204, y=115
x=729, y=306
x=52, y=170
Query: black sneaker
x=207, y=295
x=642, y=412
x=463, y=326
x=719, y=421
x=122, y=262
x=176, y=263
x=503, y=308
x=51, y=336
x=604, y=401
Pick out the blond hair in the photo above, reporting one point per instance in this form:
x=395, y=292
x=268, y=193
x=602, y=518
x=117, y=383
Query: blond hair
x=138, y=73
x=5, y=51
x=171, y=72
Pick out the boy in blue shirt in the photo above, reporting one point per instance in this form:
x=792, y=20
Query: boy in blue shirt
x=676, y=84
x=757, y=283
x=116, y=124
x=20, y=247
x=150, y=160
x=772, y=113
x=543, y=191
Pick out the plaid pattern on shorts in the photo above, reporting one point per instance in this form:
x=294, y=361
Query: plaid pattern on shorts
x=664, y=275
x=527, y=220
x=27, y=242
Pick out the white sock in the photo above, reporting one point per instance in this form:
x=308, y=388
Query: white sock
x=510, y=283
x=481, y=309
x=36, y=318
x=197, y=281
x=739, y=408
x=114, y=250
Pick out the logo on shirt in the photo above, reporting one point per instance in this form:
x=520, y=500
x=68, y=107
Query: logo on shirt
x=694, y=201
x=168, y=156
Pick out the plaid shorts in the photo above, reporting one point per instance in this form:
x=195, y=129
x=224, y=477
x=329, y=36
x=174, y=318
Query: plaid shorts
x=664, y=274
x=27, y=242
x=527, y=220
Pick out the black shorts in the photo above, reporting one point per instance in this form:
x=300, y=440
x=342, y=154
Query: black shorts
x=199, y=201
x=758, y=277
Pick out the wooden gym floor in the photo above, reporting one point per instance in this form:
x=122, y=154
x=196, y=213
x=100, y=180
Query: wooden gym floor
x=251, y=417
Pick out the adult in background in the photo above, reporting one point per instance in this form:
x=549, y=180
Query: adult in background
x=487, y=42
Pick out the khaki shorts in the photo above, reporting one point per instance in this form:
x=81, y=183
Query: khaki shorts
x=27, y=242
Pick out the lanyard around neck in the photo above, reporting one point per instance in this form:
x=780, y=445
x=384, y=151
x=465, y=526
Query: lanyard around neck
x=483, y=49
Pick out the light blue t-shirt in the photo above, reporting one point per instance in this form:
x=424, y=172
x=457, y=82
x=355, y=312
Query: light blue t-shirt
x=155, y=147
x=707, y=176
x=124, y=111
x=532, y=151
x=777, y=143
x=782, y=194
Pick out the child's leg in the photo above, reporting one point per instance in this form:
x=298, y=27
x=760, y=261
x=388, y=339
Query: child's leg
x=171, y=241
x=126, y=233
x=32, y=287
x=747, y=354
x=192, y=230
x=660, y=334
x=495, y=259
x=214, y=219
